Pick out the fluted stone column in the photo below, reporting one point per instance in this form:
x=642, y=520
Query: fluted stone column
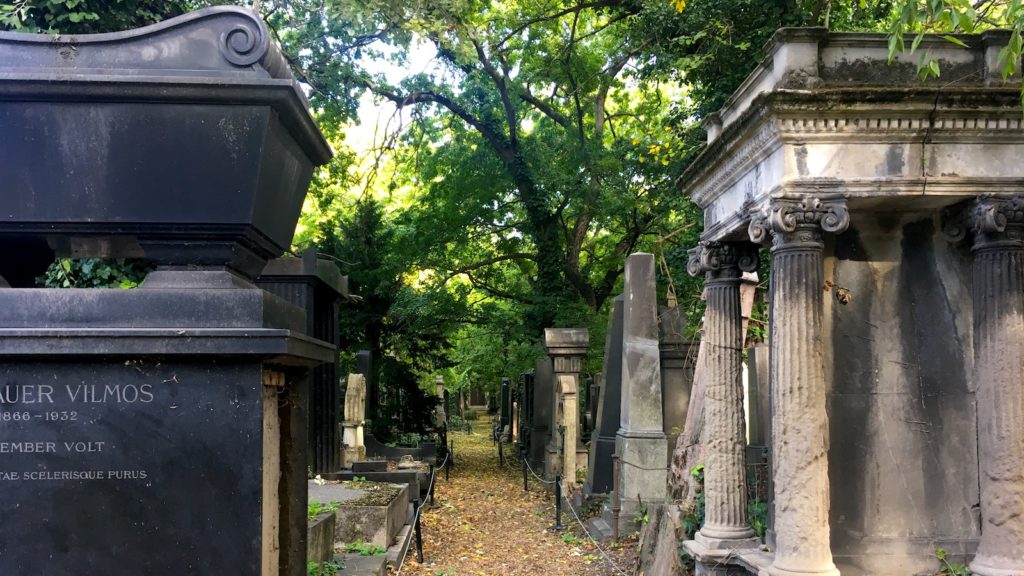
x=725, y=483
x=998, y=229
x=799, y=420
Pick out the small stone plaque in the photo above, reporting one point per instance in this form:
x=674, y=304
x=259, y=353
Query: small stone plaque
x=126, y=467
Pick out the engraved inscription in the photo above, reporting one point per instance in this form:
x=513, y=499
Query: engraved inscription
x=78, y=393
x=32, y=410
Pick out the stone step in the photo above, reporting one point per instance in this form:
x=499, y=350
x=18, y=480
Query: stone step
x=356, y=565
x=404, y=545
x=599, y=529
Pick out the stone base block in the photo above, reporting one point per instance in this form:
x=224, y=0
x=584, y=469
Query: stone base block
x=352, y=454
x=823, y=571
x=552, y=464
x=712, y=543
x=994, y=567
x=643, y=478
x=708, y=562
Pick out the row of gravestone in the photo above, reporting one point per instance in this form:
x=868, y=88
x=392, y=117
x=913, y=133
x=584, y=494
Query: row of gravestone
x=665, y=364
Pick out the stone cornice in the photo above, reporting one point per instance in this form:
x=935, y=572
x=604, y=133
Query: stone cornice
x=865, y=114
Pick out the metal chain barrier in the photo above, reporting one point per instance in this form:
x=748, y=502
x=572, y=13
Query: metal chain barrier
x=419, y=510
x=607, y=558
x=593, y=540
x=539, y=479
x=638, y=467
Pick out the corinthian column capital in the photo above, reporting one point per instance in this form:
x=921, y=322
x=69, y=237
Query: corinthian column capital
x=722, y=259
x=796, y=221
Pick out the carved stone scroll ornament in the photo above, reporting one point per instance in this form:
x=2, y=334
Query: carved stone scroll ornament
x=722, y=257
x=795, y=221
x=991, y=220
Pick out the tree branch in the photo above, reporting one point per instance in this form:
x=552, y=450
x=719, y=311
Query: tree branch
x=487, y=262
x=498, y=141
x=572, y=9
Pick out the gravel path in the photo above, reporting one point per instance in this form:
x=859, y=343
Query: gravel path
x=485, y=524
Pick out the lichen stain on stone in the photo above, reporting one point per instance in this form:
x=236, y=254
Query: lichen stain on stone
x=801, y=159
x=894, y=160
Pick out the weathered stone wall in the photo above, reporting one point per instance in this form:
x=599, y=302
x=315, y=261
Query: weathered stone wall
x=903, y=461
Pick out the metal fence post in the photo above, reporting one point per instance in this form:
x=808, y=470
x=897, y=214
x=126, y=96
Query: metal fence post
x=419, y=534
x=616, y=499
x=558, y=503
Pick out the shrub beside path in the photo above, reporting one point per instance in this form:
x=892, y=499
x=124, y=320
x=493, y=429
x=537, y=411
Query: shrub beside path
x=485, y=524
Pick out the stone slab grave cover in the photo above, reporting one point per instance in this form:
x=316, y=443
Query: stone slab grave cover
x=376, y=522
x=159, y=430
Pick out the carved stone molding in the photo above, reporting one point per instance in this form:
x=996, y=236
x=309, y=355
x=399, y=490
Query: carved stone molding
x=798, y=222
x=722, y=258
x=737, y=163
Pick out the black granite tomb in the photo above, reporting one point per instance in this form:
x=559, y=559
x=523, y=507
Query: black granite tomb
x=543, y=391
x=160, y=430
x=318, y=287
x=599, y=477
x=505, y=406
x=525, y=412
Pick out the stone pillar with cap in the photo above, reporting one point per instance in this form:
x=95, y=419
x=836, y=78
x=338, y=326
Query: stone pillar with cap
x=725, y=485
x=799, y=419
x=567, y=348
x=997, y=226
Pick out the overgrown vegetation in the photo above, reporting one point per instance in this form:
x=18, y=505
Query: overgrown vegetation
x=95, y=273
x=948, y=568
x=757, y=516
x=324, y=568
x=365, y=548
x=316, y=508
x=693, y=519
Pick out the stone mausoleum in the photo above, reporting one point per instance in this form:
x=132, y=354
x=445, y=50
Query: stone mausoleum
x=893, y=211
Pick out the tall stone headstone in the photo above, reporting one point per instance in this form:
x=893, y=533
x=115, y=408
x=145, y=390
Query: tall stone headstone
x=364, y=366
x=640, y=441
x=160, y=430
x=758, y=396
x=525, y=416
x=543, y=414
x=678, y=361
x=505, y=410
x=440, y=413
x=609, y=405
x=592, y=385
x=355, y=419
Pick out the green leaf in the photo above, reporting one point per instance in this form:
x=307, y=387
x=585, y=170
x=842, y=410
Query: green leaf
x=954, y=40
x=917, y=42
